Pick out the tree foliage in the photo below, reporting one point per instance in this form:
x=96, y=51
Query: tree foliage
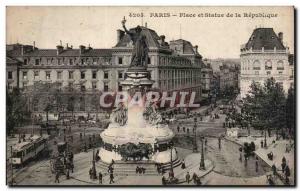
x=290, y=110
x=264, y=106
x=16, y=112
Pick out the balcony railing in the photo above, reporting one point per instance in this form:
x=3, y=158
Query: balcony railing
x=280, y=68
x=256, y=68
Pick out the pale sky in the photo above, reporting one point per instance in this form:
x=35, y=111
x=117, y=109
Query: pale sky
x=215, y=37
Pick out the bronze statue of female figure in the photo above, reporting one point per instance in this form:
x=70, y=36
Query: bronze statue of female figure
x=140, y=49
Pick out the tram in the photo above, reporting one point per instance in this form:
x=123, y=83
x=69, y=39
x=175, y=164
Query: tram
x=29, y=149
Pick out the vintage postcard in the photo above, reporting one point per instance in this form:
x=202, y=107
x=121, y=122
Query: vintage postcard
x=150, y=96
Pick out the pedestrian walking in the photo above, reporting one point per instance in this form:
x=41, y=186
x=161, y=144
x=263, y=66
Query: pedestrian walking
x=182, y=164
x=90, y=173
x=194, y=177
x=163, y=180
x=183, y=129
x=274, y=170
x=198, y=181
x=187, y=177
x=72, y=167
x=178, y=129
x=111, y=178
x=68, y=174
x=100, y=178
x=57, y=177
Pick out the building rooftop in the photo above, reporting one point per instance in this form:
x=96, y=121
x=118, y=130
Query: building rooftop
x=265, y=38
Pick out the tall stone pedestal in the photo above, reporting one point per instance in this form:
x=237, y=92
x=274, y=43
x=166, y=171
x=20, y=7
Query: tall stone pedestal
x=137, y=132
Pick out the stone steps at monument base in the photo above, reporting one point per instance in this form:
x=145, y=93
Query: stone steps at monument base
x=129, y=168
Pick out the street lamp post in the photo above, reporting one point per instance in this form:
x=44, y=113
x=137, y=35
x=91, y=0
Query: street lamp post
x=171, y=170
x=94, y=167
x=195, y=136
x=202, y=164
x=265, y=141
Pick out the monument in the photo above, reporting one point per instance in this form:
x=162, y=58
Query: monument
x=137, y=132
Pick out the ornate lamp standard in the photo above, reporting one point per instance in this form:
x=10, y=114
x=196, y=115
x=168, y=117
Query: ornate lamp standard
x=265, y=140
x=202, y=164
x=94, y=174
x=195, y=136
x=171, y=170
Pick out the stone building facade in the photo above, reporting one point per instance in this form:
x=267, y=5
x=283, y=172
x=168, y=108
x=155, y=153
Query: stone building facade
x=264, y=56
x=85, y=73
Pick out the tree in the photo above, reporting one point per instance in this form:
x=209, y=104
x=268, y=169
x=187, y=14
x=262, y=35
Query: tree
x=290, y=111
x=264, y=106
x=16, y=113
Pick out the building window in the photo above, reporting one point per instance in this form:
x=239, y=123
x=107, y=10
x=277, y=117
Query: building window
x=120, y=60
x=105, y=89
x=268, y=65
x=25, y=61
x=280, y=65
x=71, y=74
x=94, y=85
x=9, y=86
x=280, y=73
x=94, y=75
x=24, y=85
x=36, y=75
x=71, y=86
x=149, y=60
x=82, y=75
x=95, y=60
x=59, y=61
x=9, y=75
x=24, y=75
x=82, y=61
x=106, y=75
x=37, y=61
x=82, y=87
x=256, y=65
x=59, y=75
x=48, y=75
x=120, y=88
x=48, y=60
x=71, y=61
x=268, y=73
x=120, y=75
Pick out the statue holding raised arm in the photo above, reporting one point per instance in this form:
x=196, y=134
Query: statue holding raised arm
x=140, y=46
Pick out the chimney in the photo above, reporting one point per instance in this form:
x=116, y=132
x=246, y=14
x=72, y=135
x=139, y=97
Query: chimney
x=67, y=46
x=59, y=49
x=89, y=47
x=146, y=24
x=196, y=49
x=162, y=40
x=280, y=36
x=22, y=50
x=33, y=45
x=81, y=49
x=120, y=35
